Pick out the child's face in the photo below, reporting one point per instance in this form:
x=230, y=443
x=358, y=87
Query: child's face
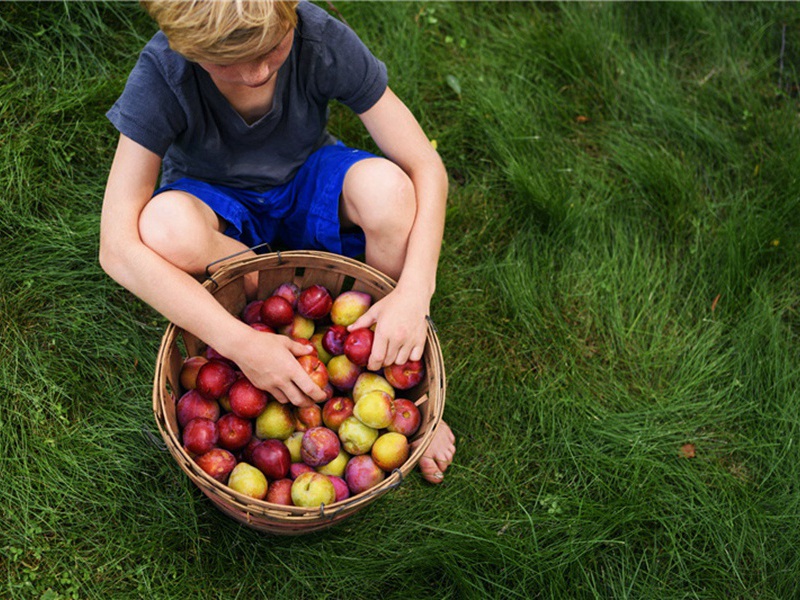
x=254, y=73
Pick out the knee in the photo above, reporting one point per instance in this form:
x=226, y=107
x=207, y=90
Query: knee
x=171, y=226
x=387, y=203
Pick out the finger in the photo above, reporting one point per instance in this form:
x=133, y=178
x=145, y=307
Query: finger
x=366, y=320
x=417, y=352
x=377, y=357
x=298, y=397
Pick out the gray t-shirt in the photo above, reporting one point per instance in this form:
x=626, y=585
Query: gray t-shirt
x=172, y=107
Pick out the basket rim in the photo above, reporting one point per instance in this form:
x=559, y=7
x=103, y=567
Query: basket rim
x=243, y=505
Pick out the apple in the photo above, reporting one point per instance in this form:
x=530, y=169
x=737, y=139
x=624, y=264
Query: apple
x=369, y=381
x=300, y=327
x=212, y=354
x=315, y=369
x=328, y=389
x=358, y=346
x=293, y=443
x=340, y=485
x=314, y=302
x=246, y=400
x=307, y=417
x=407, y=417
x=375, y=408
x=288, y=290
x=348, y=306
x=247, y=452
x=362, y=473
x=313, y=489
x=390, y=451
x=356, y=438
x=343, y=373
x=214, y=378
x=333, y=339
x=336, y=466
x=280, y=492
x=217, y=462
x=263, y=327
x=193, y=404
x=249, y=481
x=252, y=312
x=277, y=421
x=316, y=341
x=200, y=435
x=234, y=431
x=188, y=376
x=224, y=402
x=336, y=410
x=276, y=311
x=298, y=468
x=272, y=458
x=405, y=376
x=320, y=446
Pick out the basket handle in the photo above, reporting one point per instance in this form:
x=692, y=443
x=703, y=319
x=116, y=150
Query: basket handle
x=395, y=485
x=210, y=276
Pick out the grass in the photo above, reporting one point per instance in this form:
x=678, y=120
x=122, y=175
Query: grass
x=617, y=303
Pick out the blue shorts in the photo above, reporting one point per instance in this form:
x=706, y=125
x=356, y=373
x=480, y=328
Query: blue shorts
x=302, y=214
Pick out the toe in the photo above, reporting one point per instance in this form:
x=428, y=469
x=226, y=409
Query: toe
x=430, y=470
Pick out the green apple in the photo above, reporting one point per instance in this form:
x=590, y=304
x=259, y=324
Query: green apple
x=248, y=480
x=312, y=489
x=277, y=421
x=356, y=437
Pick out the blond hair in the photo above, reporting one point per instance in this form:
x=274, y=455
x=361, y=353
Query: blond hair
x=223, y=31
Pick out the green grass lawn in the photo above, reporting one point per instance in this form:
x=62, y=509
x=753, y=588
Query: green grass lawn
x=617, y=303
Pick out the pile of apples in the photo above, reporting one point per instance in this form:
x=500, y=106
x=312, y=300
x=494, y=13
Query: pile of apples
x=320, y=454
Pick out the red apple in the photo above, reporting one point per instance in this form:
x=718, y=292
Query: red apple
x=214, y=378
x=390, y=451
x=192, y=405
x=272, y=458
x=200, y=435
x=247, y=451
x=212, y=354
x=362, y=473
x=234, y=431
x=358, y=346
x=407, y=417
x=340, y=485
x=246, y=400
x=217, y=462
x=307, y=417
x=262, y=327
x=343, y=373
x=280, y=492
x=333, y=339
x=290, y=291
x=315, y=369
x=336, y=410
x=252, y=312
x=188, y=376
x=320, y=446
x=299, y=468
x=314, y=302
x=276, y=312
x=405, y=376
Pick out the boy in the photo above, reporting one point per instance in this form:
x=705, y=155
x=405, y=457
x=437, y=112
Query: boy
x=229, y=102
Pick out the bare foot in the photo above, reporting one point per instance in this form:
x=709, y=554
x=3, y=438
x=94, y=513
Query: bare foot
x=439, y=454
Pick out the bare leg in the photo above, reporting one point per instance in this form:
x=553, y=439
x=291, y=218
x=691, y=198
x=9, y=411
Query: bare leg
x=379, y=197
x=187, y=233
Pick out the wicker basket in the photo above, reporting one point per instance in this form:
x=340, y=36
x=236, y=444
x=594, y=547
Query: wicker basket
x=227, y=285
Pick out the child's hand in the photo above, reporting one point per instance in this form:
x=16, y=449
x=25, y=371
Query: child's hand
x=401, y=328
x=269, y=361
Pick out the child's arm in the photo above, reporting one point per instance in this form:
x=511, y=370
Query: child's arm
x=401, y=330
x=268, y=360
